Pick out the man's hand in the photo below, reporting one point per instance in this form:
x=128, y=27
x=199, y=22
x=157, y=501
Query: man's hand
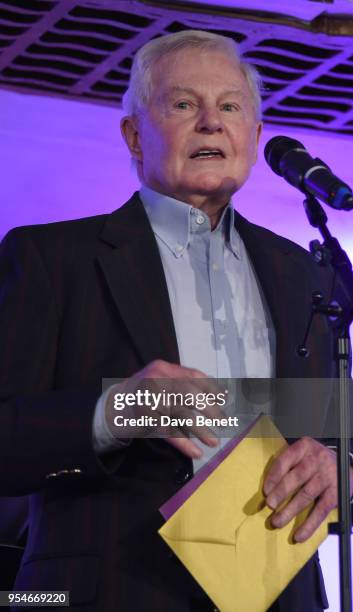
x=307, y=469
x=161, y=376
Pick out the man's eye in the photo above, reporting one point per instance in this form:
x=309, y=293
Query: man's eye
x=228, y=106
x=182, y=104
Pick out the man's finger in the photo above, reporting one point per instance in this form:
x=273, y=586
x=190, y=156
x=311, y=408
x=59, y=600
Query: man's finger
x=207, y=404
x=186, y=446
x=288, y=458
x=306, y=495
x=186, y=423
x=166, y=371
x=316, y=517
x=292, y=481
x=202, y=432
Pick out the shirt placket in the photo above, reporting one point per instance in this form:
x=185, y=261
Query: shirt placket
x=218, y=295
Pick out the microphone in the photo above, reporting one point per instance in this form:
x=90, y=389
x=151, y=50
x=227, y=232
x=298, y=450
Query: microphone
x=289, y=158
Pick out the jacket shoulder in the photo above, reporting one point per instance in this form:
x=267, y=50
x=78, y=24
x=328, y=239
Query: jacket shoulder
x=47, y=233
x=79, y=232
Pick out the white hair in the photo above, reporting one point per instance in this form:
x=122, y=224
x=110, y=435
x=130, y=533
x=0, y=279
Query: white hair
x=138, y=93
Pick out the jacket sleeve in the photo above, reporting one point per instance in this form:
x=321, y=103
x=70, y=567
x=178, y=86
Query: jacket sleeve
x=44, y=433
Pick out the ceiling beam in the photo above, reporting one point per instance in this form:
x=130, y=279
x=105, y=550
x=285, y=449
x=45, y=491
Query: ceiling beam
x=35, y=31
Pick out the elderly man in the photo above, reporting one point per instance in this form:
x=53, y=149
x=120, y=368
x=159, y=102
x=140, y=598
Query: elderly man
x=174, y=285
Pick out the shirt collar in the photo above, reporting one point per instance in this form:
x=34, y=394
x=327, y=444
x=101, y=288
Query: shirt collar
x=172, y=221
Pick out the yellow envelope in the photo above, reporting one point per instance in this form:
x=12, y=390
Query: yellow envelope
x=222, y=532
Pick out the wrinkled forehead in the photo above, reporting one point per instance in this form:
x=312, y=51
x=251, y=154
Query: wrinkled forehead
x=194, y=68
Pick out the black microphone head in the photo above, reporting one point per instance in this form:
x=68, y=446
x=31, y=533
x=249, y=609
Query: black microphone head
x=276, y=148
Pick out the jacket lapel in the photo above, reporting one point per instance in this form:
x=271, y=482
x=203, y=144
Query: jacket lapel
x=134, y=274
x=301, y=401
x=135, y=277
x=287, y=292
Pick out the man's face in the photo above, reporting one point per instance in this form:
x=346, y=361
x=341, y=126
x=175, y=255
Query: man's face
x=197, y=139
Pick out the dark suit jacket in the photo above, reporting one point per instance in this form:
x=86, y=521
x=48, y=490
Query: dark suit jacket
x=87, y=299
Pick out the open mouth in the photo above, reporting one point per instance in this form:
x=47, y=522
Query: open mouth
x=207, y=154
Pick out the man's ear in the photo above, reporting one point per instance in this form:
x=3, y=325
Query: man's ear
x=257, y=139
x=130, y=133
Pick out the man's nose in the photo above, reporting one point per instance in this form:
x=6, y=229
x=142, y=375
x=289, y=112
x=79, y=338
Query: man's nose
x=209, y=121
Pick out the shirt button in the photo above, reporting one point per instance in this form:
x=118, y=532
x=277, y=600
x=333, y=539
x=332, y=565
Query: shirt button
x=200, y=219
x=178, y=247
x=215, y=267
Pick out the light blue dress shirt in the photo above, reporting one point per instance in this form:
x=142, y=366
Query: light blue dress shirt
x=223, y=326
x=222, y=323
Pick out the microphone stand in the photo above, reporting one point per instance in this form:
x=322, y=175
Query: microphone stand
x=330, y=252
